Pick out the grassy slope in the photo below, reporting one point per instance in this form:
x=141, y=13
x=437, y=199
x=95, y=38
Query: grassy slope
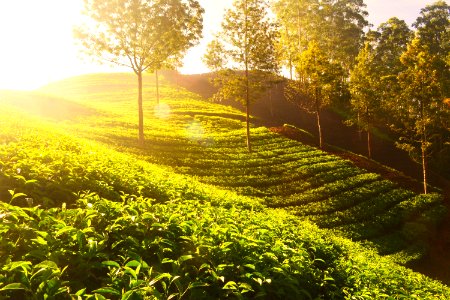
x=38, y=161
x=206, y=141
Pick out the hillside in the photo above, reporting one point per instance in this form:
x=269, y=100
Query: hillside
x=273, y=110
x=193, y=203
x=205, y=140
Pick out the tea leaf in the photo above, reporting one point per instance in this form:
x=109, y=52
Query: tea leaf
x=13, y=286
x=107, y=291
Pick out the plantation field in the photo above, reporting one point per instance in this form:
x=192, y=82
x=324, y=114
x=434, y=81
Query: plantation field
x=206, y=141
x=192, y=214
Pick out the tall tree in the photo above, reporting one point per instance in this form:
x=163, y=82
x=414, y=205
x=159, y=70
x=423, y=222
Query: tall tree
x=373, y=80
x=317, y=84
x=392, y=40
x=433, y=26
x=336, y=25
x=340, y=29
x=292, y=17
x=389, y=42
x=140, y=34
x=244, y=54
x=433, y=30
x=422, y=111
x=365, y=93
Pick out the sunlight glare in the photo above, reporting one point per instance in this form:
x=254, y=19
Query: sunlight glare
x=212, y=19
x=162, y=111
x=37, y=43
x=195, y=131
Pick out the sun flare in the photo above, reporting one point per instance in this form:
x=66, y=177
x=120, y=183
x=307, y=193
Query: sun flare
x=38, y=45
x=37, y=38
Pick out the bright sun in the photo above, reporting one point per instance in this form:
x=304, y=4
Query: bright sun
x=37, y=44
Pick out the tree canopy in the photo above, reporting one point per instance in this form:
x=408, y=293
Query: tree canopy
x=243, y=54
x=140, y=34
x=336, y=26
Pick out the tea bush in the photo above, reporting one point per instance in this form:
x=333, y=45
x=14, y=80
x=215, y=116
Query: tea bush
x=88, y=213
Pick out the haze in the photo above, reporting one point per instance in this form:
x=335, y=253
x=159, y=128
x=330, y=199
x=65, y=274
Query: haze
x=38, y=47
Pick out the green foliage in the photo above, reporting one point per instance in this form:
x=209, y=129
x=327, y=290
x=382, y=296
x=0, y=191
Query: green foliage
x=88, y=221
x=203, y=143
x=141, y=35
x=328, y=23
x=319, y=78
x=318, y=83
x=243, y=55
x=187, y=250
x=49, y=169
x=423, y=113
x=391, y=39
x=374, y=84
x=363, y=88
x=365, y=98
x=433, y=27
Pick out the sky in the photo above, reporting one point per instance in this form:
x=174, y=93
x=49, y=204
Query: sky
x=37, y=46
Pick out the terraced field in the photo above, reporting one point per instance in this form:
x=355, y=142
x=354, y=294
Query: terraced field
x=212, y=220
x=206, y=141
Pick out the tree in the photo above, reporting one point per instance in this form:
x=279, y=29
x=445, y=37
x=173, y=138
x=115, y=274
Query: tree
x=433, y=30
x=340, y=29
x=317, y=84
x=422, y=111
x=336, y=25
x=292, y=17
x=363, y=89
x=140, y=34
x=433, y=26
x=373, y=80
x=244, y=54
x=387, y=45
x=392, y=40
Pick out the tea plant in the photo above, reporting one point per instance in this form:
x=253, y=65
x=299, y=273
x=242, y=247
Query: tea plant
x=204, y=141
x=87, y=213
x=187, y=250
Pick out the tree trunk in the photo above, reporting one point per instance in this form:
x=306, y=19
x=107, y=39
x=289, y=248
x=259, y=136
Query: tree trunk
x=291, y=69
x=358, y=122
x=423, y=144
x=319, y=129
x=247, y=108
x=249, y=146
x=247, y=85
x=271, y=102
x=369, y=142
x=424, y=168
x=141, y=110
x=317, y=107
x=157, y=87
